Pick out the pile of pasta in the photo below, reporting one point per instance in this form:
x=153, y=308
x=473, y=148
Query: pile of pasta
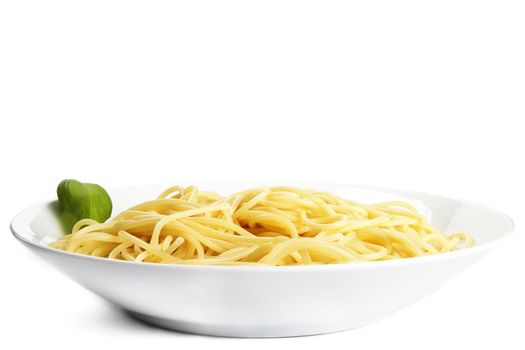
x=262, y=226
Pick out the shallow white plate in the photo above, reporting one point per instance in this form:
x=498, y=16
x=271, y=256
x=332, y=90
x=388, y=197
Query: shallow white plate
x=252, y=301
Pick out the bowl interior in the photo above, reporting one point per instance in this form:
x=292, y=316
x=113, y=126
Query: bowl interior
x=40, y=224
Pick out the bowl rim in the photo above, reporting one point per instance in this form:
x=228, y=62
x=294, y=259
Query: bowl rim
x=20, y=223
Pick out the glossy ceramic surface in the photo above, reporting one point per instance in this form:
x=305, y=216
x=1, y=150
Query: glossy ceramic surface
x=251, y=301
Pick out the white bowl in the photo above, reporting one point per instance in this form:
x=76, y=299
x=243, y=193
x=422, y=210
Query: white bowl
x=252, y=301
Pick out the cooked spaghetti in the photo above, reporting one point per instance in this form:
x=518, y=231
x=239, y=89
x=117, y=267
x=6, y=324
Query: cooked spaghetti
x=263, y=226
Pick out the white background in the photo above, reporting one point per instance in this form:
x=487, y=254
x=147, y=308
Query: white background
x=420, y=95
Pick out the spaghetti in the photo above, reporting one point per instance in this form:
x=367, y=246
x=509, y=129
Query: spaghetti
x=263, y=226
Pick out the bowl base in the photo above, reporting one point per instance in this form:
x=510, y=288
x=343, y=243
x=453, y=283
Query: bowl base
x=238, y=331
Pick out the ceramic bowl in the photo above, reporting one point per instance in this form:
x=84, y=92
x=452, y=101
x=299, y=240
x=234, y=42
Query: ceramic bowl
x=269, y=301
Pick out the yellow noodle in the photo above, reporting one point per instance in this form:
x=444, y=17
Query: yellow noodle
x=262, y=226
